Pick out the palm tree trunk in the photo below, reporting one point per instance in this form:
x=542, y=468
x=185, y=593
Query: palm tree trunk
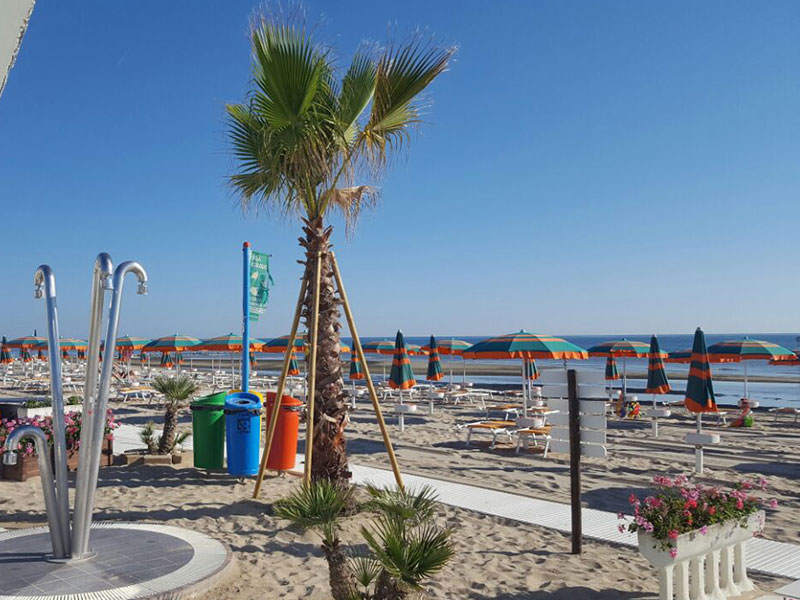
x=170, y=426
x=330, y=408
x=340, y=576
x=386, y=588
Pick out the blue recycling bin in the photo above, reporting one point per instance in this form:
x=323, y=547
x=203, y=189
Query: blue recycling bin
x=242, y=432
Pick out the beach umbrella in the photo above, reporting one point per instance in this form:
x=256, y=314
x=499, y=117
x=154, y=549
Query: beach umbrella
x=29, y=341
x=356, y=368
x=788, y=361
x=279, y=344
x=64, y=354
x=679, y=356
x=524, y=345
x=744, y=350
x=611, y=369
x=40, y=355
x=401, y=376
x=25, y=355
x=231, y=344
x=81, y=354
x=379, y=347
x=699, y=387
x=179, y=358
x=171, y=343
x=621, y=349
x=415, y=350
x=294, y=368
x=452, y=347
x=166, y=362
x=657, y=382
x=531, y=370
x=5, y=354
x=434, y=365
x=253, y=362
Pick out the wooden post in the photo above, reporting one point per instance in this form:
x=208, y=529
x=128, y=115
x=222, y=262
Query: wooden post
x=281, y=386
x=312, y=368
x=575, y=459
x=367, y=377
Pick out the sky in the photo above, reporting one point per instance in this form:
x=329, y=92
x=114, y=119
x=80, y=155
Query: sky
x=583, y=168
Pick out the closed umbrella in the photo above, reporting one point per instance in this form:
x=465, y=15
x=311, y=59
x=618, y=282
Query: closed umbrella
x=612, y=374
x=700, y=389
x=452, y=347
x=294, y=368
x=401, y=376
x=657, y=382
x=434, y=364
x=356, y=368
x=524, y=345
x=5, y=354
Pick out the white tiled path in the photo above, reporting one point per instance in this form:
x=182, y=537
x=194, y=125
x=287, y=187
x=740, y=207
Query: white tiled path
x=774, y=558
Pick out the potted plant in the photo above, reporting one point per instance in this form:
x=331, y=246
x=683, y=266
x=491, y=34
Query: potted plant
x=695, y=535
x=176, y=390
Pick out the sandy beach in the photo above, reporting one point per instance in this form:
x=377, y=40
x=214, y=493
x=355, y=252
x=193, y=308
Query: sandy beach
x=496, y=558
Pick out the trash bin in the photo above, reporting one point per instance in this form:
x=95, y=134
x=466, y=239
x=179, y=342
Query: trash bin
x=283, y=454
x=208, y=431
x=242, y=432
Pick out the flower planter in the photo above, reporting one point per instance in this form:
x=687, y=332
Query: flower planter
x=43, y=411
x=28, y=466
x=706, y=567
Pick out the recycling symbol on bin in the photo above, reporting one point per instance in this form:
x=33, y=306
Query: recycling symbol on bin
x=243, y=425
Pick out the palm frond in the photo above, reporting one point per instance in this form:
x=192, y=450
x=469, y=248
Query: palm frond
x=175, y=389
x=414, y=506
x=318, y=505
x=365, y=568
x=358, y=86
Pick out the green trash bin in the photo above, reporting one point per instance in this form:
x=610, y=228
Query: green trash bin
x=208, y=431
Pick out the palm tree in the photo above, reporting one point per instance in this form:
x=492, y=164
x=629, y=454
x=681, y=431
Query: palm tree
x=176, y=391
x=304, y=143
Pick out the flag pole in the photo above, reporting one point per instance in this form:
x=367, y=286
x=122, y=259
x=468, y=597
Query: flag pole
x=245, y=368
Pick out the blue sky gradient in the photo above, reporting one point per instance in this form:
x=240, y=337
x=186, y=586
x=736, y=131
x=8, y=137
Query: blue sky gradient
x=585, y=167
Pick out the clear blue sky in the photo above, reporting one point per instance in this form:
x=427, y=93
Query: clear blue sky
x=585, y=167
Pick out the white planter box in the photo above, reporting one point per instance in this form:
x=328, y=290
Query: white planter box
x=44, y=411
x=711, y=566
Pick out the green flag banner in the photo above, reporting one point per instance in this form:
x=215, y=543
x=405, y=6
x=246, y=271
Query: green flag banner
x=260, y=282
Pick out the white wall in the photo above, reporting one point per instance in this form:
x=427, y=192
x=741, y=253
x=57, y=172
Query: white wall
x=14, y=15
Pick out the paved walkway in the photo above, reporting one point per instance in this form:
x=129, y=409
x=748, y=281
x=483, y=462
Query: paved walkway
x=765, y=556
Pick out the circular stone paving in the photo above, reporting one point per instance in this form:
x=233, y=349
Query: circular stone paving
x=134, y=560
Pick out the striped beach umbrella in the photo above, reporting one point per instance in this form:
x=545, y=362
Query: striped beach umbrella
x=415, y=350
x=166, y=361
x=64, y=354
x=434, y=364
x=657, y=382
x=25, y=355
x=784, y=362
x=253, y=362
x=171, y=343
x=5, y=354
x=699, y=387
x=679, y=356
x=401, y=376
x=744, y=350
x=525, y=346
x=28, y=341
x=621, y=349
x=130, y=342
x=279, y=344
x=611, y=369
x=451, y=347
x=356, y=368
x=378, y=347
x=294, y=368
x=531, y=370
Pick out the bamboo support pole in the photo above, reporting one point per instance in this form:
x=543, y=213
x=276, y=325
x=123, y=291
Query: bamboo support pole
x=367, y=377
x=312, y=368
x=273, y=421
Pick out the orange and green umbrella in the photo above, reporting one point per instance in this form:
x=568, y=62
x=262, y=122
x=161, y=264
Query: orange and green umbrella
x=531, y=370
x=744, y=350
x=40, y=355
x=611, y=369
x=227, y=343
x=166, y=362
x=434, y=364
x=171, y=343
x=5, y=354
x=25, y=355
x=792, y=360
x=657, y=382
x=294, y=368
x=401, y=377
x=379, y=347
x=450, y=347
x=356, y=368
x=679, y=356
x=29, y=341
x=621, y=349
x=128, y=342
x=699, y=387
x=280, y=344
x=415, y=350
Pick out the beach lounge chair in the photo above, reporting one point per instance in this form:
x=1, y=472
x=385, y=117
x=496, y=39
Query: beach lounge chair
x=508, y=410
x=786, y=411
x=493, y=428
x=524, y=436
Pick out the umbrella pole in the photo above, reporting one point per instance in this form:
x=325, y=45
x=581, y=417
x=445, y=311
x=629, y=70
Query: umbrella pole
x=524, y=392
x=367, y=378
x=276, y=407
x=745, y=379
x=698, y=452
x=624, y=377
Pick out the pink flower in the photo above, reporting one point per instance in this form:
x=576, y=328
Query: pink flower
x=621, y=528
x=773, y=503
x=673, y=534
x=704, y=529
x=673, y=552
x=620, y=515
x=739, y=504
x=632, y=499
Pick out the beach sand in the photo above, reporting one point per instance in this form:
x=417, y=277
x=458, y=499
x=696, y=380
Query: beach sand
x=496, y=558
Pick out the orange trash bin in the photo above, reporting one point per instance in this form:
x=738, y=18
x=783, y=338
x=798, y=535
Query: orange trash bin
x=283, y=455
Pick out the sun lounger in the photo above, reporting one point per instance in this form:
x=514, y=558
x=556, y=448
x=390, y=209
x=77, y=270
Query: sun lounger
x=494, y=428
x=524, y=436
x=786, y=411
x=508, y=410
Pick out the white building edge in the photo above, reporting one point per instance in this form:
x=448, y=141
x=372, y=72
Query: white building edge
x=14, y=17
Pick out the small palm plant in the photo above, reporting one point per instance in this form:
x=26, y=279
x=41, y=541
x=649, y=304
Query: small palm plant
x=319, y=506
x=176, y=391
x=405, y=545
